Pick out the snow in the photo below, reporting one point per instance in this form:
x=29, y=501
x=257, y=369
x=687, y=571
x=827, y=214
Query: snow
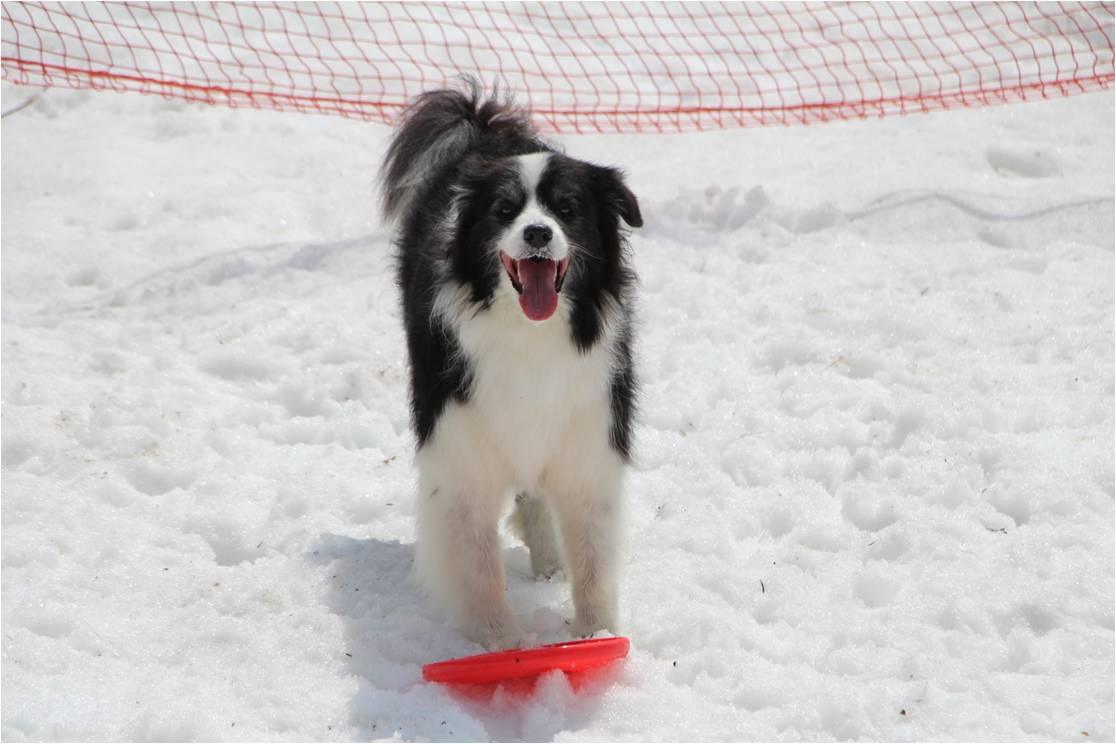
x=873, y=491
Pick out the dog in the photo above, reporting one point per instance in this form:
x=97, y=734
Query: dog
x=517, y=298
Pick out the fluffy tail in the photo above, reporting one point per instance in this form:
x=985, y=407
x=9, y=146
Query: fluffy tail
x=437, y=130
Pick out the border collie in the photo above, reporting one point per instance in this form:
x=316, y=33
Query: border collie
x=517, y=302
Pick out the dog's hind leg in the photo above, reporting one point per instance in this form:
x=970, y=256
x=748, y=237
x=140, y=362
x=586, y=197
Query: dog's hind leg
x=532, y=523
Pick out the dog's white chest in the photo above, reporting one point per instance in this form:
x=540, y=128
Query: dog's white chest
x=532, y=390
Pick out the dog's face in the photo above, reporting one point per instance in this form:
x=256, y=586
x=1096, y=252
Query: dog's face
x=541, y=225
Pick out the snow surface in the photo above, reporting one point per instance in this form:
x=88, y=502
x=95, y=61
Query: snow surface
x=873, y=496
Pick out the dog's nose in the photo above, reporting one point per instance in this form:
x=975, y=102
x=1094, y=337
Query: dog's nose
x=537, y=236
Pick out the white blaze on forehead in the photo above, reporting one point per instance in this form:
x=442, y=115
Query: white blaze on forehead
x=531, y=170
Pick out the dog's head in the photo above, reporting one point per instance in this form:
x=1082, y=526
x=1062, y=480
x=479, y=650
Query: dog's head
x=542, y=225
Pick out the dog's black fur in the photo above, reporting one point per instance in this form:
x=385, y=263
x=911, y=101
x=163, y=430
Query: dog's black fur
x=450, y=186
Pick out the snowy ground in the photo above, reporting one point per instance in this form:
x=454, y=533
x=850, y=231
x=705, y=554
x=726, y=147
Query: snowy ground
x=874, y=487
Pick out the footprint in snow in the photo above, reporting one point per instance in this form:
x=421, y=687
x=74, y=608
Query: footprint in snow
x=1023, y=162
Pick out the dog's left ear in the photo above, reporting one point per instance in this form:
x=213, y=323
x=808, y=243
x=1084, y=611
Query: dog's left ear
x=616, y=194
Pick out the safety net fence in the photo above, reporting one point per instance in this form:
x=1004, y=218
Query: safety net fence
x=582, y=66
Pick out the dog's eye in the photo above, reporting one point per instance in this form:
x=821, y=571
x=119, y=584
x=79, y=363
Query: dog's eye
x=565, y=208
x=505, y=209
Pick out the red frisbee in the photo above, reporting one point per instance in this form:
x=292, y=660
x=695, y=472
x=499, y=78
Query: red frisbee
x=573, y=656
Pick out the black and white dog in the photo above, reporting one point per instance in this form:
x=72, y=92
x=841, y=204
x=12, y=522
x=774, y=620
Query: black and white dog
x=517, y=301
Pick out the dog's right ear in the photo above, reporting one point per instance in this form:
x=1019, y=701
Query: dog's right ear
x=616, y=195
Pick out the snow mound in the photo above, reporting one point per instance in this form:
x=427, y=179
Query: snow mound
x=873, y=490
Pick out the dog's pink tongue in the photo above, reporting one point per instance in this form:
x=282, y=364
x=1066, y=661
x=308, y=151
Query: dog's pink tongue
x=539, y=298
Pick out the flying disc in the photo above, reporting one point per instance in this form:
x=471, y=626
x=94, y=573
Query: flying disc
x=573, y=656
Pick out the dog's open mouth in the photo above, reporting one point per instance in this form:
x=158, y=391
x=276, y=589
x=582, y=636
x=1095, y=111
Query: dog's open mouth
x=538, y=281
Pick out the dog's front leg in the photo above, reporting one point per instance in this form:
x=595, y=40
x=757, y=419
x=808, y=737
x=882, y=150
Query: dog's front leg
x=587, y=501
x=458, y=555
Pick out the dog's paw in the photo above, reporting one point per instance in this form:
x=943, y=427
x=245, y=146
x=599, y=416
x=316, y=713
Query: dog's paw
x=545, y=570
x=504, y=642
x=582, y=630
x=589, y=621
x=495, y=635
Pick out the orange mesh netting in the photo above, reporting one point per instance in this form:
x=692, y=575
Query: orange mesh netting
x=615, y=67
